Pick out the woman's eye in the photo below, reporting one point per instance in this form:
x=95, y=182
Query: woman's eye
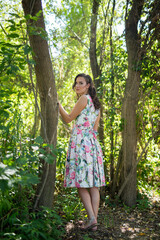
x=80, y=83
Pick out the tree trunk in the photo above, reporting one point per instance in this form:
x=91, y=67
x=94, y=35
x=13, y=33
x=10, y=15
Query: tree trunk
x=96, y=72
x=130, y=103
x=112, y=101
x=36, y=116
x=48, y=97
x=93, y=61
x=92, y=51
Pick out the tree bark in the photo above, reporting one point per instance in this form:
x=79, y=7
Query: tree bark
x=130, y=103
x=96, y=71
x=112, y=101
x=48, y=97
x=94, y=62
x=92, y=51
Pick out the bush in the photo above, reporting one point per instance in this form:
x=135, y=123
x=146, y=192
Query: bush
x=45, y=224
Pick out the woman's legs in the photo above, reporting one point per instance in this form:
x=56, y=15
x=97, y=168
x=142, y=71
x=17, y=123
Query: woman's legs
x=90, y=200
x=95, y=198
x=86, y=200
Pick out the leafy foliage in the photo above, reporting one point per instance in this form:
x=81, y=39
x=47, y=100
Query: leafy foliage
x=42, y=225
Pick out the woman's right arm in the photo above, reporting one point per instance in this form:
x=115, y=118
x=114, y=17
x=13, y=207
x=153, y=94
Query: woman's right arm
x=79, y=106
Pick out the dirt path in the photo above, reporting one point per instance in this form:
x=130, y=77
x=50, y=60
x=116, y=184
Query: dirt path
x=119, y=222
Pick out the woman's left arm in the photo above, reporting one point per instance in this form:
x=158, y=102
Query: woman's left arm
x=79, y=106
x=97, y=122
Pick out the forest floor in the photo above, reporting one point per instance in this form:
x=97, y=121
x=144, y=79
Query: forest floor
x=121, y=222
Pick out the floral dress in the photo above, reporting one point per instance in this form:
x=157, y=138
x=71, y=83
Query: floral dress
x=84, y=164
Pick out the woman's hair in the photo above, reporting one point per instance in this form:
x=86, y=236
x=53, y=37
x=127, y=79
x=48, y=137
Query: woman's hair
x=91, y=89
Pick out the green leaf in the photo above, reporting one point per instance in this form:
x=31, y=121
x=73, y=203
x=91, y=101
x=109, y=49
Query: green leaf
x=41, y=150
x=31, y=61
x=3, y=166
x=4, y=185
x=39, y=139
x=14, y=15
x=28, y=178
x=13, y=35
x=10, y=171
x=5, y=114
x=14, y=68
x=5, y=206
x=49, y=158
x=27, y=49
x=22, y=160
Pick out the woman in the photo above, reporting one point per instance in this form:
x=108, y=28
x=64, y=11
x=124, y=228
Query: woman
x=84, y=165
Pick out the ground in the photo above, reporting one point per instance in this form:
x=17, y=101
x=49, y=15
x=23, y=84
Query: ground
x=119, y=222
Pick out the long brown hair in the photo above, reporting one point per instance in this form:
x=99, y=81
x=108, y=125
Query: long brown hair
x=91, y=89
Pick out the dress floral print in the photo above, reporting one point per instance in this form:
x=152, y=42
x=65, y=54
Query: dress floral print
x=84, y=164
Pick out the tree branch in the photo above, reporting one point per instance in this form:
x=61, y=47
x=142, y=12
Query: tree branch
x=3, y=29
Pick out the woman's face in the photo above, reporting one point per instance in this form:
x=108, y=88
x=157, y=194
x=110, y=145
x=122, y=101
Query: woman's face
x=81, y=86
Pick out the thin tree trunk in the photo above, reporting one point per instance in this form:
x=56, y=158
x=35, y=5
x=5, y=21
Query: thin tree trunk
x=94, y=62
x=92, y=51
x=48, y=96
x=96, y=71
x=112, y=101
x=36, y=116
x=130, y=103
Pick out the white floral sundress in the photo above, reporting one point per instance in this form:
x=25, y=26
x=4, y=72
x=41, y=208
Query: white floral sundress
x=84, y=164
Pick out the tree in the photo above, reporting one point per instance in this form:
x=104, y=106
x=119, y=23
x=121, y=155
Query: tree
x=112, y=97
x=136, y=40
x=95, y=66
x=47, y=92
x=130, y=101
x=92, y=52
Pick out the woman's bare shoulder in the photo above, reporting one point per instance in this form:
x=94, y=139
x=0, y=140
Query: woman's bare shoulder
x=83, y=99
